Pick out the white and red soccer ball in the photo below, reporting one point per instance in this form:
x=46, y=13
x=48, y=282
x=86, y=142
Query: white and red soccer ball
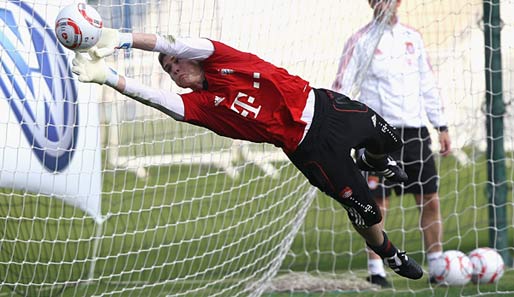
x=453, y=268
x=488, y=265
x=78, y=27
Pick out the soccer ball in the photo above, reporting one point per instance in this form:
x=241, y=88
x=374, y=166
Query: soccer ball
x=78, y=26
x=453, y=268
x=488, y=266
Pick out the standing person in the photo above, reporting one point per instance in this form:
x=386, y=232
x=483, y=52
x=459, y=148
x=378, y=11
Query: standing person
x=238, y=95
x=400, y=86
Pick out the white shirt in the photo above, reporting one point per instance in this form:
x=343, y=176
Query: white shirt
x=399, y=84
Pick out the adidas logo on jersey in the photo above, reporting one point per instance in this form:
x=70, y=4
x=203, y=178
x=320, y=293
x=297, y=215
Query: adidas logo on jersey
x=218, y=100
x=226, y=71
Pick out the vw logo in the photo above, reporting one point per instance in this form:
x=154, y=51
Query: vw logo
x=36, y=81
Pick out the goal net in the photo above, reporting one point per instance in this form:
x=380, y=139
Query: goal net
x=185, y=212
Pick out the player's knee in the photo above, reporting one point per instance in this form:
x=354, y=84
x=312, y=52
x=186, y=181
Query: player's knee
x=375, y=219
x=364, y=223
x=363, y=217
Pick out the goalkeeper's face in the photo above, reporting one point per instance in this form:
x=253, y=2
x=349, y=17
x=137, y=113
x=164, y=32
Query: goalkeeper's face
x=185, y=73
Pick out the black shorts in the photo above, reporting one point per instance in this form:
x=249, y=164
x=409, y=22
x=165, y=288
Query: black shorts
x=324, y=156
x=417, y=159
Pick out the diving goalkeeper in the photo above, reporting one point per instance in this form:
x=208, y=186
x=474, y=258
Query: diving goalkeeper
x=238, y=95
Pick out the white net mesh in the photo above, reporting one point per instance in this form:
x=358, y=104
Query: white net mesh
x=188, y=213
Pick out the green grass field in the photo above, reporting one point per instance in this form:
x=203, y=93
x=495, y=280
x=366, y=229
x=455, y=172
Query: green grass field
x=157, y=242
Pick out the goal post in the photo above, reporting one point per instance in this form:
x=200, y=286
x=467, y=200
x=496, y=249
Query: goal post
x=185, y=212
x=495, y=107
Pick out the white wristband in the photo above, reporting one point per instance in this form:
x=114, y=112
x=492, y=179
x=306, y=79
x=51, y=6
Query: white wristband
x=112, y=78
x=126, y=40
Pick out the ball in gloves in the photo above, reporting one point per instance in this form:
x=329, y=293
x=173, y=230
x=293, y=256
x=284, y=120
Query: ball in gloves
x=78, y=27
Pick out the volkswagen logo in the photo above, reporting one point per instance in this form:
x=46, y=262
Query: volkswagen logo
x=36, y=81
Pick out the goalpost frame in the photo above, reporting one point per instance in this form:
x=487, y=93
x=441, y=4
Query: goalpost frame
x=495, y=107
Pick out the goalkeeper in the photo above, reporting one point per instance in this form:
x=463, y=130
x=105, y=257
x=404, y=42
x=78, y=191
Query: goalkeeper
x=238, y=95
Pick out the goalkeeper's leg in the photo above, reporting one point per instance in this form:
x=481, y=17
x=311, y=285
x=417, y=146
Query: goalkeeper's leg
x=366, y=216
x=381, y=165
x=324, y=158
x=374, y=156
x=397, y=260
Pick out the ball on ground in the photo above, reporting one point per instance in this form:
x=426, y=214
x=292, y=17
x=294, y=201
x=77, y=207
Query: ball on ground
x=488, y=265
x=453, y=268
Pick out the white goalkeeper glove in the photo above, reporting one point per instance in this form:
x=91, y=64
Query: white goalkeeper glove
x=94, y=70
x=110, y=40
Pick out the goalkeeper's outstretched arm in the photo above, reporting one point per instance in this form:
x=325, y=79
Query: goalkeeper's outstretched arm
x=95, y=70
x=184, y=48
x=168, y=102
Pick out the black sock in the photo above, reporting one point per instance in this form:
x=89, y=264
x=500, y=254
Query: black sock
x=386, y=250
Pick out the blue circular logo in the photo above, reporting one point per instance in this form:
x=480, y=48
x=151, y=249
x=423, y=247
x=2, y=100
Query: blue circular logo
x=36, y=80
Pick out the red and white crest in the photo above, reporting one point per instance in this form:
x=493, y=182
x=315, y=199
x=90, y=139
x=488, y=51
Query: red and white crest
x=409, y=47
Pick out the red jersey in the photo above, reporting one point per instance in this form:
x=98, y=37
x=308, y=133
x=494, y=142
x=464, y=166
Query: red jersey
x=248, y=98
